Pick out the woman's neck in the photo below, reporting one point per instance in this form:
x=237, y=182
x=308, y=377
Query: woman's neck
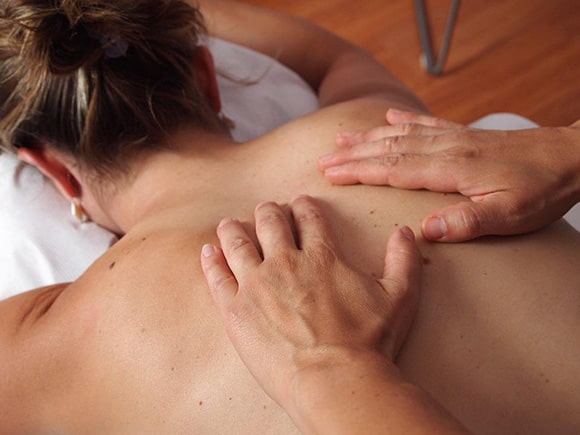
x=191, y=169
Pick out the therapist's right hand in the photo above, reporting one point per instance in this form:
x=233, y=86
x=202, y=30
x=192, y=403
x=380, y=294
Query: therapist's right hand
x=293, y=304
x=518, y=181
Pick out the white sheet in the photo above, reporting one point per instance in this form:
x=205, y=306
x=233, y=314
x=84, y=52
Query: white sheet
x=41, y=244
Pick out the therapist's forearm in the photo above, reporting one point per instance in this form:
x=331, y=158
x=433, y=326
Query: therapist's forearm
x=365, y=395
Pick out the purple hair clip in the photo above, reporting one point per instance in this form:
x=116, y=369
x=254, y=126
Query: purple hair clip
x=113, y=46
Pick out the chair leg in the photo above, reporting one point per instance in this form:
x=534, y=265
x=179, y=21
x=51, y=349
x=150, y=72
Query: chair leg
x=432, y=64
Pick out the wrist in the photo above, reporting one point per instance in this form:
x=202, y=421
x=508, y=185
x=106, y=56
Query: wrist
x=325, y=364
x=337, y=372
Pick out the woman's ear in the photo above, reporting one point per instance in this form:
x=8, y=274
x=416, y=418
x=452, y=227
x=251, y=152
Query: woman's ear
x=53, y=167
x=204, y=68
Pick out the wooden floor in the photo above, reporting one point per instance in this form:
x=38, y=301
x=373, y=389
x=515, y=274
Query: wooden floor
x=520, y=56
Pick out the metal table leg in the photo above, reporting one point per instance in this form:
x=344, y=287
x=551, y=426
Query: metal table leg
x=435, y=65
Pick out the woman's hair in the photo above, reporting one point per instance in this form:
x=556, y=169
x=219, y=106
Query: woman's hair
x=99, y=79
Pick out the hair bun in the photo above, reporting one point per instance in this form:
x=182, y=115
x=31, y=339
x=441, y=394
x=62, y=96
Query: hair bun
x=70, y=45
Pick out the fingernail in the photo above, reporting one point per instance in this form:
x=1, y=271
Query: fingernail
x=344, y=137
x=226, y=221
x=208, y=250
x=300, y=197
x=408, y=233
x=435, y=228
x=333, y=171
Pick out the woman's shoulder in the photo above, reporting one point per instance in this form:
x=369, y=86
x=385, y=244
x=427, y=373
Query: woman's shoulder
x=324, y=123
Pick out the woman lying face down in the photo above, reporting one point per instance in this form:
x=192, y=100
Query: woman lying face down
x=125, y=121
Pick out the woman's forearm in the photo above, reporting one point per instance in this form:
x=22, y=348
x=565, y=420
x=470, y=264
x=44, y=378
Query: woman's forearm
x=354, y=73
x=336, y=69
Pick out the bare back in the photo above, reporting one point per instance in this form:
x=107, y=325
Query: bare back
x=496, y=340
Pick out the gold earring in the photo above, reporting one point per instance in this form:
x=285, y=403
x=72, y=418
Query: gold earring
x=77, y=211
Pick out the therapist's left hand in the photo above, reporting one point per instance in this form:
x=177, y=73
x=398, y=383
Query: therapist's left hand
x=518, y=181
x=301, y=304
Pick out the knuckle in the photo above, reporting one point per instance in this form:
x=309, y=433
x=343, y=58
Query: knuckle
x=472, y=221
x=222, y=282
x=269, y=217
x=390, y=144
x=399, y=289
x=237, y=243
x=309, y=214
x=408, y=129
x=391, y=160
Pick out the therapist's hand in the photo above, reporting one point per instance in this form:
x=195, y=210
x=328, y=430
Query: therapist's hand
x=518, y=181
x=299, y=305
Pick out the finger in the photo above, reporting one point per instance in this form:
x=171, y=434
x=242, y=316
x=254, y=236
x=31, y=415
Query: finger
x=469, y=220
x=220, y=279
x=350, y=138
x=383, y=147
x=273, y=229
x=367, y=150
x=437, y=147
x=404, y=117
x=238, y=248
x=403, y=263
x=405, y=171
x=312, y=226
x=371, y=172
x=402, y=281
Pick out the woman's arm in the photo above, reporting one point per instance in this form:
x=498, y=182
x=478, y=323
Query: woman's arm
x=318, y=336
x=335, y=68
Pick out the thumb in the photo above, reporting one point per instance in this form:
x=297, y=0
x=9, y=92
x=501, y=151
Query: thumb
x=220, y=279
x=402, y=282
x=466, y=221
